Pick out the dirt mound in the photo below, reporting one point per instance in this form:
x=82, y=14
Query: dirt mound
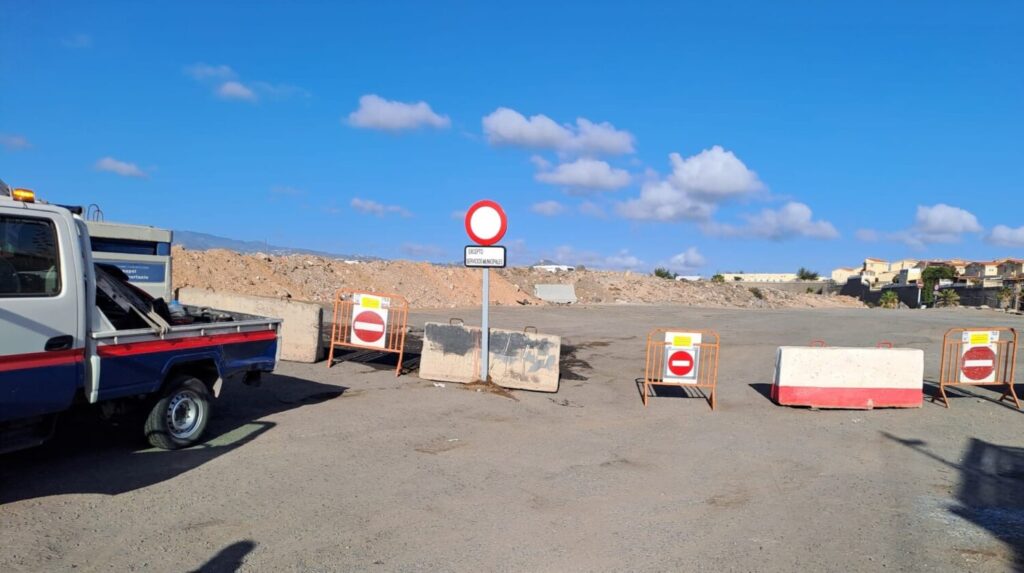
x=312, y=278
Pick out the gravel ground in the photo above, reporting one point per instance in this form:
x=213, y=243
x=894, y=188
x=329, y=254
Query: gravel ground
x=353, y=469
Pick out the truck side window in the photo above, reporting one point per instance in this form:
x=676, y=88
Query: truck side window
x=29, y=261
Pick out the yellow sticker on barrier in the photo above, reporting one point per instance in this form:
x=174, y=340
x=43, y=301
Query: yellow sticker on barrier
x=369, y=301
x=978, y=338
x=682, y=341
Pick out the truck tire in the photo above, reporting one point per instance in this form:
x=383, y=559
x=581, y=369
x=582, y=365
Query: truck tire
x=178, y=419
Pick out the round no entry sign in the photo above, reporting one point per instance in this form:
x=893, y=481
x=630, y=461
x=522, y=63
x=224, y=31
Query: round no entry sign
x=680, y=363
x=979, y=363
x=486, y=222
x=368, y=327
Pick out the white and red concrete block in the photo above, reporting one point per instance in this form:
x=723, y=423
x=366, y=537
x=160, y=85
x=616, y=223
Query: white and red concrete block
x=852, y=378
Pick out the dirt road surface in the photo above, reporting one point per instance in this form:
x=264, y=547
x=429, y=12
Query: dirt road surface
x=352, y=469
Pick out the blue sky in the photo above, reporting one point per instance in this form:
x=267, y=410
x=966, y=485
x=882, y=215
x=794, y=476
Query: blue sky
x=707, y=136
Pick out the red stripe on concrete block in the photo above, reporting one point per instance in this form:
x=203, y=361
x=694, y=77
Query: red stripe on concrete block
x=850, y=398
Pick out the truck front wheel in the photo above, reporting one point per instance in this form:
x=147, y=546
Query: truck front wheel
x=179, y=418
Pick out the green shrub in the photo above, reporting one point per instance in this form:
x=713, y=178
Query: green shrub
x=949, y=297
x=889, y=300
x=664, y=273
x=806, y=275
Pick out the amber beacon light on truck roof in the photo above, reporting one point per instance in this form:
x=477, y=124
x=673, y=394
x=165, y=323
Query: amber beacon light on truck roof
x=18, y=194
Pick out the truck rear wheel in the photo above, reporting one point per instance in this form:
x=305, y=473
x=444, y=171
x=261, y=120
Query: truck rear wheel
x=179, y=418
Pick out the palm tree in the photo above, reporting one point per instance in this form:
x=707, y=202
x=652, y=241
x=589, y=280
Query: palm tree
x=1005, y=296
x=949, y=297
x=889, y=300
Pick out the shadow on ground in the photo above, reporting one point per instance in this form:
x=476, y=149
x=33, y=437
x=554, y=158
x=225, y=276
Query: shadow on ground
x=671, y=391
x=989, y=492
x=379, y=360
x=764, y=390
x=978, y=392
x=87, y=455
x=229, y=559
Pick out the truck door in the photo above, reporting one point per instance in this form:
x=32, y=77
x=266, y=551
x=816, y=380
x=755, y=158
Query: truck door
x=41, y=319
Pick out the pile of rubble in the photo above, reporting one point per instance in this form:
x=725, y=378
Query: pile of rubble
x=313, y=278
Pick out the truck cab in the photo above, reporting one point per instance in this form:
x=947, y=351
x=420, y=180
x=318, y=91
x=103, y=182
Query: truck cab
x=73, y=332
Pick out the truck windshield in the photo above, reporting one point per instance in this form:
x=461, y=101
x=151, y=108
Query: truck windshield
x=29, y=263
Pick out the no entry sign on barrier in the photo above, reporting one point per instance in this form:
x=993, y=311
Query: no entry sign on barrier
x=685, y=359
x=682, y=351
x=978, y=357
x=369, y=322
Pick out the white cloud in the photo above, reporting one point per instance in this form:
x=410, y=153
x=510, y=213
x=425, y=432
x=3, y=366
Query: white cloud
x=77, y=41
x=687, y=260
x=372, y=207
x=586, y=173
x=942, y=223
x=938, y=223
x=548, y=208
x=694, y=189
x=602, y=138
x=224, y=82
x=203, y=71
x=236, y=91
x=14, y=142
x=121, y=168
x=1007, y=236
x=623, y=259
x=715, y=174
x=540, y=163
x=660, y=201
x=506, y=126
x=791, y=220
x=376, y=112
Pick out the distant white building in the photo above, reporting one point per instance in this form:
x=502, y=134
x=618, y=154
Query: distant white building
x=761, y=277
x=552, y=267
x=692, y=278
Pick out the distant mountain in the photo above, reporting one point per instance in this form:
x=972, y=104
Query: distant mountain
x=205, y=242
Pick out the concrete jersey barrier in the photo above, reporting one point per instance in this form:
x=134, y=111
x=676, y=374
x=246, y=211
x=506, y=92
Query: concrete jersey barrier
x=855, y=378
x=520, y=360
x=558, y=294
x=301, y=330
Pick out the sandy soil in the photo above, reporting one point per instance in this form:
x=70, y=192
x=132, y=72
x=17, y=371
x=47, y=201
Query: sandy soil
x=431, y=286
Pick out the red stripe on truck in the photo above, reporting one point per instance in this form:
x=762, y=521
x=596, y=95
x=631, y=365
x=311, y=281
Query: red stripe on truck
x=149, y=347
x=41, y=359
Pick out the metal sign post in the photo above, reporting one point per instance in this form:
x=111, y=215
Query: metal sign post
x=485, y=327
x=485, y=224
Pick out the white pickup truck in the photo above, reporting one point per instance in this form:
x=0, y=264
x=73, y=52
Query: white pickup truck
x=76, y=333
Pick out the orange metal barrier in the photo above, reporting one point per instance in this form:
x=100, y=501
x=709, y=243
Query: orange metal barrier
x=390, y=335
x=984, y=362
x=707, y=365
